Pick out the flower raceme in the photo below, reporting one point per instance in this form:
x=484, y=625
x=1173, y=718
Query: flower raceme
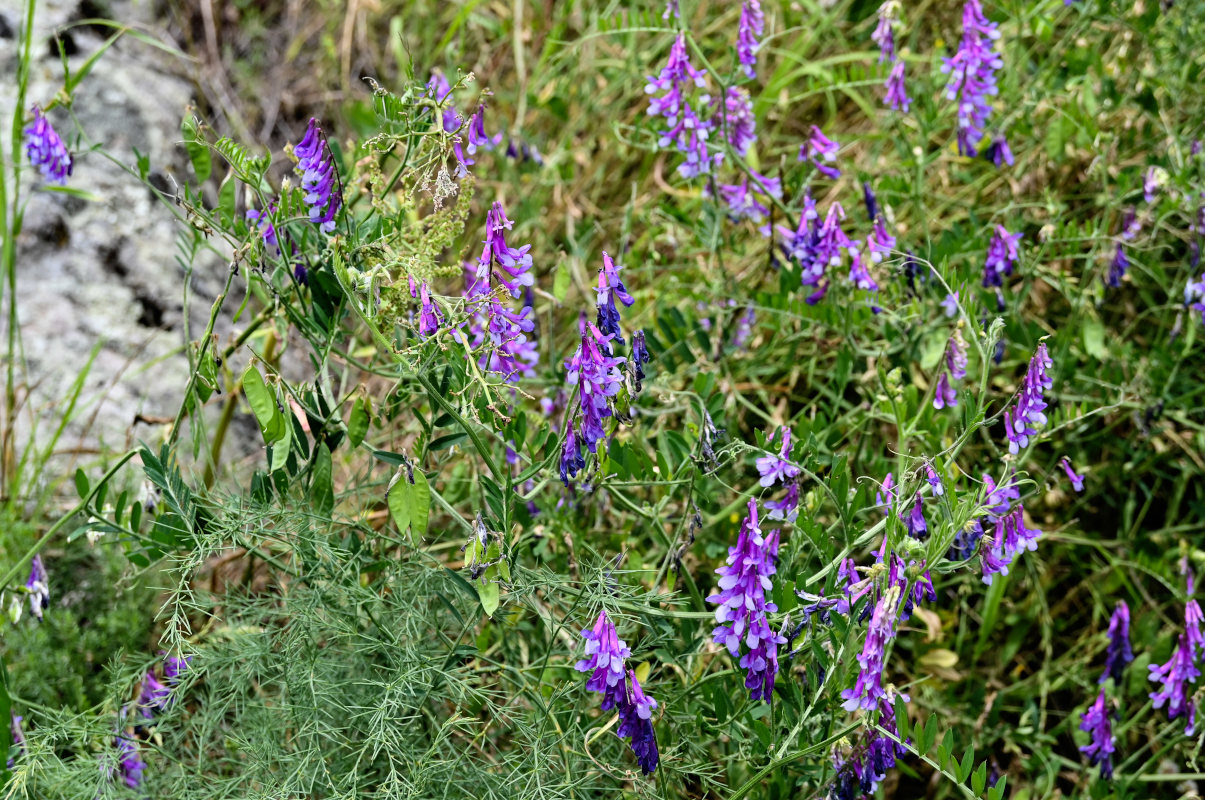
x=820, y=151
x=318, y=177
x=610, y=288
x=1096, y=722
x=1023, y=418
x=741, y=595
x=955, y=369
x=46, y=150
x=597, y=375
x=1118, y=654
x=751, y=26
x=972, y=70
x=510, y=266
x=686, y=132
x=867, y=692
x=606, y=661
x=1011, y=539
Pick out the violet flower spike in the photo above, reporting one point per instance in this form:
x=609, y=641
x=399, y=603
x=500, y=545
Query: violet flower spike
x=686, y=132
x=880, y=242
x=1010, y=540
x=741, y=594
x=868, y=691
x=610, y=287
x=1097, y=724
x=1077, y=481
x=1118, y=267
x=46, y=150
x=478, y=138
x=884, y=31
x=318, y=177
x=38, y=586
x=1118, y=654
x=1022, y=419
x=263, y=221
x=598, y=376
x=1175, y=676
x=1002, y=257
x=572, y=461
x=640, y=357
x=949, y=306
x=514, y=263
x=130, y=763
x=605, y=659
x=738, y=119
x=886, y=495
x=636, y=724
x=752, y=25
x=871, y=202
x=972, y=70
x=895, y=95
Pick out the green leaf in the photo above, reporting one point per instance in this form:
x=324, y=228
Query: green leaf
x=444, y=442
x=81, y=483
x=979, y=779
x=227, y=198
x=560, y=284
x=357, y=423
x=198, y=151
x=323, y=492
x=968, y=764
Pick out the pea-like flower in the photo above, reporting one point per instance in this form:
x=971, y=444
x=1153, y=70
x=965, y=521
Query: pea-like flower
x=1118, y=654
x=38, y=586
x=640, y=357
x=914, y=518
x=972, y=71
x=1002, y=257
x=778, y=469
x=1118, y=266
x=998, y=152
x=46, y=150
x=896, y=91
x=867, y=692
x=741, y=595
x=610, y=288
x=597, y=375
x=1096, y=722
x=1176, y=676
x=820, y=151
x=737, y=119
x=751, y=26
x=478, y=138
x=1077, y=481
x=1011, y=539
x=318, y=177
x=511, y=266
x=686, y=132
x=636, y=724
x=884, y=31
x=605, y=658
x=1023, y=418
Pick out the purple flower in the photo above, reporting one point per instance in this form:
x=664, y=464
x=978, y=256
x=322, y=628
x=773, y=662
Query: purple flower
x=738, y=120
x=886, y=496
x=863, y=765
x=636, y=724
x=38, y=586
x=1192, y=626
x=640, y=357
x=505, y=332
x=821, y=249
x=956, y=369
x=1153, y=182
x=174, y=667
x=914, y=518
x=1176, y=675
x=949, y=306
x=972, y=72
x=741, y=595
x=965, y=541
x=46, y=150
x=921, y=589
x=742, y=202
x=788, y=507
x=751, y=26
x=820, y=151
x=777, y=469
x=859, y=274
x=685, y=132
x=597, y=375
x=998, y=499
x=744, y=328
x=871, y=202
x=884, y=31
x=263, y=221
x=1077, y=481
x=439, y=88
x=880, y=241
x=934, y=480
x=610, y=287
x=671, y=10
x=867, y=692
x=514, y=264
x=605, y=656
x=1002, y=256
x=478, y=138
x=18, y=738
x=1097, y=724
x=572, y=461
x=1020, y=419
x=318, y=177
x=998, y=151
x=1194, y=296
x=153, y=697
x=896, y=94
x=1131, y=225
x=1118, y=654
x=1117, y=267
x=130, y=763
x=1010, y=540
x=429, y=318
